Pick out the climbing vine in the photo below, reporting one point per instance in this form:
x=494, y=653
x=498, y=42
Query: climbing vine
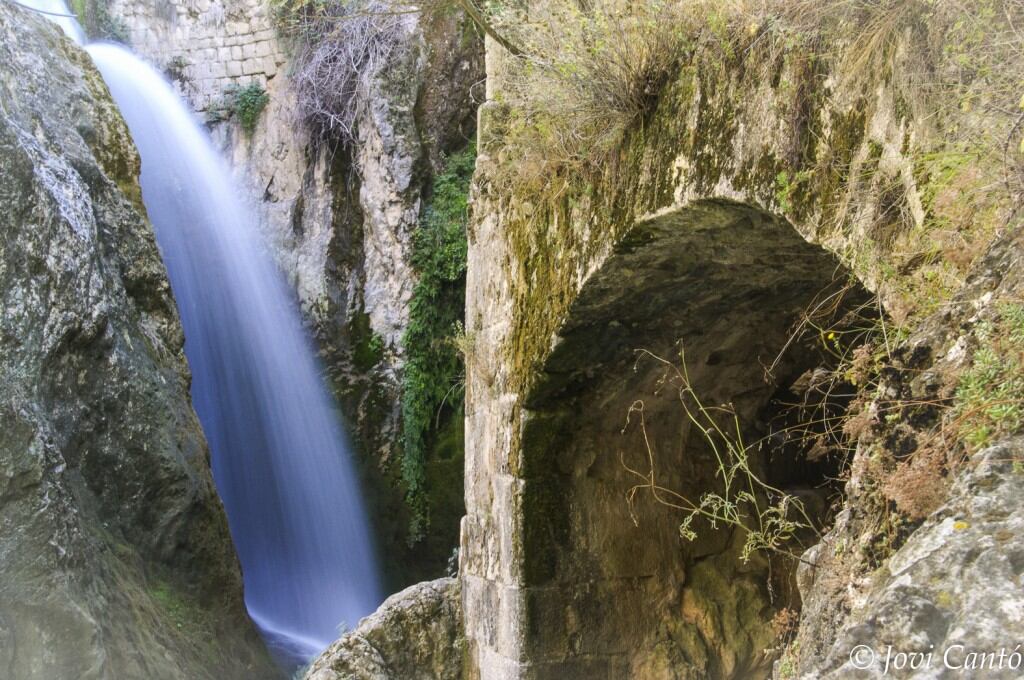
x=433, y=373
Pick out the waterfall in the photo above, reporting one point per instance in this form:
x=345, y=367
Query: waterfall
x=57, y=12
x=279, y=455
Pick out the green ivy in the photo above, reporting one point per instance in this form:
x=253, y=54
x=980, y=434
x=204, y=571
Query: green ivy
x=434, y=368
x=248, y=104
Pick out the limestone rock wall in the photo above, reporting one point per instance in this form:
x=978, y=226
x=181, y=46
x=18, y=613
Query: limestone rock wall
x=114, y=549
x=950, y=592
x=947, y=584
x=415, y=635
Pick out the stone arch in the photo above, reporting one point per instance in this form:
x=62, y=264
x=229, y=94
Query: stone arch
x=602, y=597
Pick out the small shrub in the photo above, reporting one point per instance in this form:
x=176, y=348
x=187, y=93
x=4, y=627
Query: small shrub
x=990, y=395
x=248, y=102
x=789, y=662
x=785, y=623
x=768, y=517
x=586, y=75
x=919, y=485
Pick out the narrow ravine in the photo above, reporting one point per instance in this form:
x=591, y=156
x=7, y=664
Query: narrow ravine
x=279, y=455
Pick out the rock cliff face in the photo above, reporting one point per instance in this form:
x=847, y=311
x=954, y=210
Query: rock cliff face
x=338, y=220
x=947, y=589
x=951, y=593
x=114, y=548
x=763, y=180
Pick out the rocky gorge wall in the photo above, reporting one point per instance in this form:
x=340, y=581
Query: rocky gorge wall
x=114, y=548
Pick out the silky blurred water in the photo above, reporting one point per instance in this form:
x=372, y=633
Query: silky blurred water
x=58, y=12
x=280, y=459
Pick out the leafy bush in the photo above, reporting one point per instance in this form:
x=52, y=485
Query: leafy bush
x=433, y=372
x=248, y=102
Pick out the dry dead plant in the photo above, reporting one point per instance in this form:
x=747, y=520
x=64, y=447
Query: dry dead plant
x=340, y=47
x=769, y=518
x=586, y=74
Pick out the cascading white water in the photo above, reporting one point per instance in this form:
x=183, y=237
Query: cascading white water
x=57, y=12
x=280, y=458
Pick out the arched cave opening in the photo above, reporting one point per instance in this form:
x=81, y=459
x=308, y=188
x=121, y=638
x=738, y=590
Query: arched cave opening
x=711, y=302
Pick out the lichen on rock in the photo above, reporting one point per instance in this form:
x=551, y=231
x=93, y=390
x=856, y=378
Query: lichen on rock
x=951, y=589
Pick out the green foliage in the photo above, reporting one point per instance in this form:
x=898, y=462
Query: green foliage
x=178, y=610
x=248, y=103
x=789, y=664
x=786, y=188
x=990, y=396
x=433, y=373
x=367, y=346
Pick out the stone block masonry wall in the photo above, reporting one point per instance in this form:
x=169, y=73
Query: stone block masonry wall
x=205, y=46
